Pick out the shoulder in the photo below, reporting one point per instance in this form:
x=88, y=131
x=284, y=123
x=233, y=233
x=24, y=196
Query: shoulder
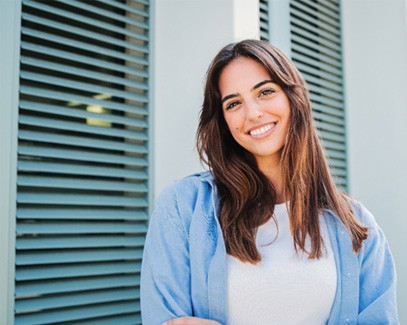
x=186, y=188
x=183, y=198
x=363, y=214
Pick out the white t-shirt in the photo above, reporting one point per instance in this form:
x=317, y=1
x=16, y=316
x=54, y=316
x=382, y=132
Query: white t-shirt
x=285, y=287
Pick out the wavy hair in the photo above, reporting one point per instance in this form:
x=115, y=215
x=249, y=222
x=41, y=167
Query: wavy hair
x=247, y=197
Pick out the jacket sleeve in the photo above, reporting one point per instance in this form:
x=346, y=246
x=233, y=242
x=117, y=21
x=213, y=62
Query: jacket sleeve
x=378, y=303
x=165, y=274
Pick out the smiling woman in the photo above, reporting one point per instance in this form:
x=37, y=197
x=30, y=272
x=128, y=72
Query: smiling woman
x=265, y=231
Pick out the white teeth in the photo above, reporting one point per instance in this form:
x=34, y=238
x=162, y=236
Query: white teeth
x=262, y=130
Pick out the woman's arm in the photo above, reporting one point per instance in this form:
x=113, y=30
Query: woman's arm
x=165, y=274
x=378, y=303
x=191, y=321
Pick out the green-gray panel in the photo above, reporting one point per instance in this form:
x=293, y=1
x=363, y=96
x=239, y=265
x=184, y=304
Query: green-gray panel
x=42, y=272
x=29, y=288
x=64, y=315
x=36, y=151
x=82, y=114
x=70, y=300
x=81, y=86
x=80, y=214
x=79, y=227
x=84, y=184
x=78, y=141
x=88, y=20
x=83, y=128
x=84, y=33
x=299, y=15
x=103, y=77
x=127, y=319
x=83, y=160
x=76, y=256
x=82, y=45
x=72, y=169
x=75, y=98
x=77, y=58
x=66, y=242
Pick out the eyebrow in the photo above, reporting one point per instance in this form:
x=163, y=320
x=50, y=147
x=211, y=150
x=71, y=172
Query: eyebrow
x=261, y=83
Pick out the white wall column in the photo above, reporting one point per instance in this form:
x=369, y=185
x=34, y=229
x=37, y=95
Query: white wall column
x=375, y=49
x=10, y=16
x=188, y=34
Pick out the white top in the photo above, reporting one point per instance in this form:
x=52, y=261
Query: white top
x=285, y=287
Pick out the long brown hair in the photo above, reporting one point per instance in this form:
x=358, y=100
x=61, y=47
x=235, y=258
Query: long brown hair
x=247, y=197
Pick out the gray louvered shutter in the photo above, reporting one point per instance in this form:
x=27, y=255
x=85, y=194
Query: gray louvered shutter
x=316, y=50
x=264, y=20
x=83, y=155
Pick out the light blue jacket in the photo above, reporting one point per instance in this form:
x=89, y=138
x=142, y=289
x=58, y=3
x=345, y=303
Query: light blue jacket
x=184, y=264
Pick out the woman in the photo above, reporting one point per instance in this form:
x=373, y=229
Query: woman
x=265, y=236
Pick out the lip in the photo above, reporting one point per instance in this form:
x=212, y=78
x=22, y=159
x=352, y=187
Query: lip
x=269, y=128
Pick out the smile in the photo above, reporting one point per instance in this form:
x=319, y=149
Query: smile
x=262, y=130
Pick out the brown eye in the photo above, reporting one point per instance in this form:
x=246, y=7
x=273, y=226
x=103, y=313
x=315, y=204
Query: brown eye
x=267, y=91
x=232, y=105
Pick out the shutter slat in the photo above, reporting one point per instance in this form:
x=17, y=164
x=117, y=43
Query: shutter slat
x=318, y=116
x=82, y=142
x=321, y=25
x=82, y=199
x=83, y=128
x=75, y=256
x=82, y=86
x=305, y=25
x=71, y=183
x=76, y=284
x=326, y=101
x=84, y=33
x=82, y=72
x=37, y=166
x=42, y=272
x=325, y=92
x=102, y=12
x=70, y=300
x=328, y=19
x=330, y=128
x=62, y=227
x=79, y=113
x=329, y=136
x=320, y=74
x=128, y=319
x=328, y=110
x=78, y=214
x=332, y=145
x=82, y=45
x=129, y=8
x=57, y=53
x=77, y=155
x=327, y=43
x=61, y=96
x=77, y=313
x=78, y=242
x=86, y=19
x=322, y=50
x=303, y=54
x=318, y=8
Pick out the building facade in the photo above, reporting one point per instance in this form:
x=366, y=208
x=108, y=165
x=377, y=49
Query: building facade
x=98, y=111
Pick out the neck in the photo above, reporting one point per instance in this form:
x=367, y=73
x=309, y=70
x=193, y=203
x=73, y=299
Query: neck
x=272, y=170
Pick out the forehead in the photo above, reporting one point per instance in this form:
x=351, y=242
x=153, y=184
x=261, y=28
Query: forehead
x=241, y=74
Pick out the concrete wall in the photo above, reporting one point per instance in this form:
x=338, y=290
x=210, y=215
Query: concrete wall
x=375, y=44
x=188, y=34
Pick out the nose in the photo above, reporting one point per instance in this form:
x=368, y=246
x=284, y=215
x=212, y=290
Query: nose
x=253, y=111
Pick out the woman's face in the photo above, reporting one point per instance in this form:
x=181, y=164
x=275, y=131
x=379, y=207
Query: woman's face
x=256, y=109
